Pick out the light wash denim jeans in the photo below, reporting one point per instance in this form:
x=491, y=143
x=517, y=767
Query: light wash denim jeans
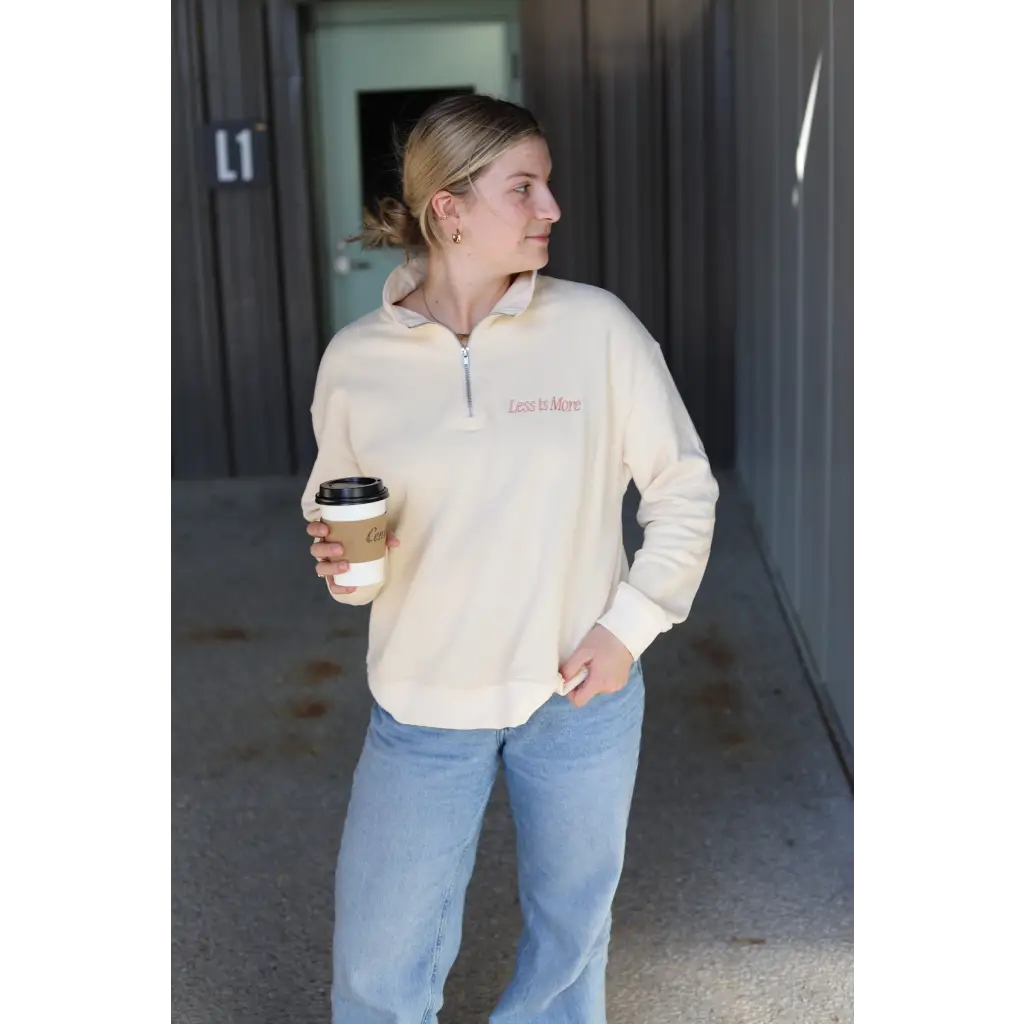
x=409, y=845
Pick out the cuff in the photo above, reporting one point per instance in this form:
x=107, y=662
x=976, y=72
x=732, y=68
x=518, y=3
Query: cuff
x=635, y=619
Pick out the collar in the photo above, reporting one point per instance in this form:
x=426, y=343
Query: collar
x=409, y=276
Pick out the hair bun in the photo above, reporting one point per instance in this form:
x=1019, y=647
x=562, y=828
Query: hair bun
x=392, y=224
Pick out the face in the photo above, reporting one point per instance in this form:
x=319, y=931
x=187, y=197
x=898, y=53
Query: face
x=506, y=219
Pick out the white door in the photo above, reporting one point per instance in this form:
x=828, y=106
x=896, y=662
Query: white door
x=368, y=78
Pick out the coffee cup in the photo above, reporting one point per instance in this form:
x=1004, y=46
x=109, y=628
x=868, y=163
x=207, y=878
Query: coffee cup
x=355, y=510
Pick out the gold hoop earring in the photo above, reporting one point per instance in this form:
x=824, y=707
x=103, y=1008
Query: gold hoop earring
x=457, y=237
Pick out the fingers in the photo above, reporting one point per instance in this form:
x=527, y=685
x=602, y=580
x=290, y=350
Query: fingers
x=578, y=660
x=318, y=549
x=595, y=683
x=326, y=553
x=585, y=692
x=329, y=569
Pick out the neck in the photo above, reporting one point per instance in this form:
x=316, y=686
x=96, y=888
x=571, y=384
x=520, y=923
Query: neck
x=460, y=296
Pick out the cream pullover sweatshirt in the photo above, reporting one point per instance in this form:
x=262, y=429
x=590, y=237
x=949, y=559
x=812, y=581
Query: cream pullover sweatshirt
x=506, y=460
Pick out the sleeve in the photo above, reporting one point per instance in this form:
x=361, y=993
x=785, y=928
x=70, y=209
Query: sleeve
x=678, y=495
x=334, y=459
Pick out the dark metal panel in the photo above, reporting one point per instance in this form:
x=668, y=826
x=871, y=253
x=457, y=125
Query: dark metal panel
x=754, y=121
x=838, y=671
x=815, y=332
x=743, y=91
x=680, y=28
x=720, y=168
x=694, y=150
x=691, y=191
x=200, y=445
x=763, y=18
x=555, y=86
x=294, y=220
x=795, y=324
x=789, y=467
x=669, y=25
x=247, y=251
x=660, y=199
x=619, y=46
x=627, y=95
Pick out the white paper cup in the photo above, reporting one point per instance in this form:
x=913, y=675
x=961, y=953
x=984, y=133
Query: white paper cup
x=355, y=508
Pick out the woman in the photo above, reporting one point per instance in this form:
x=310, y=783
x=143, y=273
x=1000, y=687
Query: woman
x=506, y=413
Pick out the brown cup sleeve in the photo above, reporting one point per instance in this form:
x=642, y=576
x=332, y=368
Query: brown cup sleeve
x=363, y=541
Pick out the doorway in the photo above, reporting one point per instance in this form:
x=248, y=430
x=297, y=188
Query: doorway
x=375, y=69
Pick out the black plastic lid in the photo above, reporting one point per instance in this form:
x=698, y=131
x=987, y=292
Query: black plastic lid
x=351, y=490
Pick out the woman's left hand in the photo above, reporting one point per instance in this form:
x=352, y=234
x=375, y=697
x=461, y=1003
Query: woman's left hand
x=607, y=660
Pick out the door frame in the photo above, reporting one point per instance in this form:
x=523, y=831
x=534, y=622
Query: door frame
x=334, y=13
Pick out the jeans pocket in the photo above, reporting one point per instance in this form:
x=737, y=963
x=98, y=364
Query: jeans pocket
x=631, y=690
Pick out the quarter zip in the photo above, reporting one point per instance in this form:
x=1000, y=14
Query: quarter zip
x=463, y=340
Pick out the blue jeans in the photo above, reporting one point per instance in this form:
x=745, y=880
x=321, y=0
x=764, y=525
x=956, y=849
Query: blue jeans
x=409, y=845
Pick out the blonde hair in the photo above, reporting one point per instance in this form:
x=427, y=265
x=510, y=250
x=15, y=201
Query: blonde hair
x=451, y=144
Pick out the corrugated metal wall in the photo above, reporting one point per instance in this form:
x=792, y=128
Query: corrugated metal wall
x=795, y=320
x=637, y=103
x=245, y=334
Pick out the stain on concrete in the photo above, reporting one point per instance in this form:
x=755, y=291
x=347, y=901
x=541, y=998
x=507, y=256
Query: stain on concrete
x=294, y=746
x=736, y=941
x=247, y=752
x=714, y=649
x=309, y=709
x=219, y=634
x=319, y=670
x=343, y=634
x=733, y=739
x=719, y=697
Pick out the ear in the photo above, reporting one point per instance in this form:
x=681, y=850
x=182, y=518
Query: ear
x=443, y=205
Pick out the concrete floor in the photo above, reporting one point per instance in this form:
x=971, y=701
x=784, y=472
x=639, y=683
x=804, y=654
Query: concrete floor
x=736, y=904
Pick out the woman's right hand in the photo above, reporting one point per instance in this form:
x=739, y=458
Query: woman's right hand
x=321, y=550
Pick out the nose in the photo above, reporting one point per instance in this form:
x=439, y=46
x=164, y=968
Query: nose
x=547, y=208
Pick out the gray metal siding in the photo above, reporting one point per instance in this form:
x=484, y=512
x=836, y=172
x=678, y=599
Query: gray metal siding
x=244, y=334
x=294, y=218
x=815, y=343
x=636, y=100
x=720, y=114
x=199, y=424
x=556, y=80
x=786, y=340
x=619, y=61
x=839, y=660
x=795, y=321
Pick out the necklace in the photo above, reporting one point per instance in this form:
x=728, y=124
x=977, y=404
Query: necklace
x=463, y=338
